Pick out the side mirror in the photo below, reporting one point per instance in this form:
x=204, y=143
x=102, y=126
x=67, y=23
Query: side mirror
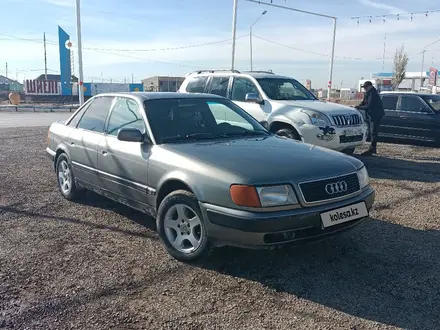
x=131, y=135
x=254, y=98
x=265, y=124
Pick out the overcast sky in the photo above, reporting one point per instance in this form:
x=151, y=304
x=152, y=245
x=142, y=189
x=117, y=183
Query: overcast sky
x=289, y=43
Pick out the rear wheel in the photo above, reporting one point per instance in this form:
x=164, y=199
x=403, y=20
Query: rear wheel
x=181, y=226
x=289, y=133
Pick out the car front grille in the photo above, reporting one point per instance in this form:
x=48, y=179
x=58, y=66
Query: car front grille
x=327, y=189
x=349, y=139
x=347, y=120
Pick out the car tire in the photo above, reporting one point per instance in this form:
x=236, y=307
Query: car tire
x=349, y=151
x=181, y=226
x=288, y=133
x=66, y=180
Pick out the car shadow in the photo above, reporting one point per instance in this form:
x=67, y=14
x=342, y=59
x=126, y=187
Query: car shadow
x=381, y=272
x=381, y=167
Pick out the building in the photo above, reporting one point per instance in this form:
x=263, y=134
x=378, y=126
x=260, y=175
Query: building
x=382, y=80
x=162, y=84
x=9, y=85
x=54, y=77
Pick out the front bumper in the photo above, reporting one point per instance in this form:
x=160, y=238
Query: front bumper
x=336, y=138
x=270, y=229
x=50, y=154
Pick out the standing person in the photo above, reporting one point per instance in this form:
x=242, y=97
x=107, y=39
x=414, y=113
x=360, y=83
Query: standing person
x=372, y=104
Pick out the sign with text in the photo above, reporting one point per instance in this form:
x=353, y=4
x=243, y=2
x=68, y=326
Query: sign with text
x=42, y=87
x=433, y=72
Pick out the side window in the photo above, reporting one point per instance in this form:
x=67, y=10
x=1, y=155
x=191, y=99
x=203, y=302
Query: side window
x=96, y=113
x=411, y=103
x=241, y=87
x=223, y=114
x=219, y=86
x=197, y=84
x=125, y=114
x=75, y=120
x=390, y=102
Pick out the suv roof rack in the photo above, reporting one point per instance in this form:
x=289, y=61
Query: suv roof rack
x=212, y=71
x=260, y=71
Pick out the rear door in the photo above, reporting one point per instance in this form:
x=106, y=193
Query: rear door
x=219, y=85
x=123, y=165
x=390, y=122
x=196, y=84
x=83, y=141
x=416, y=119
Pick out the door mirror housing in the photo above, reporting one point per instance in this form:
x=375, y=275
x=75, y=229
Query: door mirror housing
x=265, y=124
x=254, y=98
x=131, y=135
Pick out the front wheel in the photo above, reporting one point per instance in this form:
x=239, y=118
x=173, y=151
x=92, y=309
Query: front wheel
x=289, y=133
x=181, y=226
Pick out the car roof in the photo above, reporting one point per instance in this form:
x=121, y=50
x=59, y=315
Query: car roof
x=143, y=96
x=405, y=93
x=254, y=74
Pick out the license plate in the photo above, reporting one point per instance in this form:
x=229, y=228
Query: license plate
x=352, y=132
x=344, y=214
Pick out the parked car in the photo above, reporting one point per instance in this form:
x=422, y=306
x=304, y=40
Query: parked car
x=208, y=172
x=413, y=116
x=289, y=108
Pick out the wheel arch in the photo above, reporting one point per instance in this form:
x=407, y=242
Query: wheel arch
x=169, y=185
x=61, y=149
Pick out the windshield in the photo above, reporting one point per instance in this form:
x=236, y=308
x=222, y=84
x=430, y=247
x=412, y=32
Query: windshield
x=433, y=101
x=285, y=89
x=189, y=119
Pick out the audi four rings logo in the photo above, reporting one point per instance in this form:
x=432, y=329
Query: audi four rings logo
x=336, y=187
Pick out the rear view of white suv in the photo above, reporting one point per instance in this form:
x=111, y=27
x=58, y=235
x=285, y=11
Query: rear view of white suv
x=288, y=107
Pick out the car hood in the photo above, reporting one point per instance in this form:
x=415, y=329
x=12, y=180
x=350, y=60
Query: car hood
x=268, y=160
x=317, y=105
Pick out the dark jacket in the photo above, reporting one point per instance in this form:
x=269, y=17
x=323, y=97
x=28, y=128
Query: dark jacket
x=372, y=104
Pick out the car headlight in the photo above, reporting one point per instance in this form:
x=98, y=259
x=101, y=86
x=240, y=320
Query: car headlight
x=317, y=118
x=263, y=196
x=364, y=179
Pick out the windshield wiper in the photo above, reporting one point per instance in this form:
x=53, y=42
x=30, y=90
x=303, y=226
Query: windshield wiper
x=192, y=136
x=245, y=133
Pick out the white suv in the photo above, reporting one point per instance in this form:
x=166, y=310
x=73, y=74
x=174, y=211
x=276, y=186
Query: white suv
x=288, y=107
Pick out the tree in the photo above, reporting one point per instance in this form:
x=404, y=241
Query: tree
x=400, y=64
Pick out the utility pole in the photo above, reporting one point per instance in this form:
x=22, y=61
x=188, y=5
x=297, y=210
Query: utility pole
x=384, y=51
x=421, y=71
x=45, y=56
x=132, y=78
x=80, y=63
x=6, y=69
x=234, y=28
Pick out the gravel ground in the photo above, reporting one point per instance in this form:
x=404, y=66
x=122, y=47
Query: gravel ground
x=99, y=265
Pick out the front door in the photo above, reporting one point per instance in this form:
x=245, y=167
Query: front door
x=242, y=86
x=83, y=140
x=123, y=166
x=416, y=119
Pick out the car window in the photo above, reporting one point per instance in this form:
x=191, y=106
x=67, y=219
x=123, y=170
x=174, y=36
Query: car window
x=222, y=114
x=95, y=115
x=75, y=120
x=219, y=86
x=285, y=89
x=241, y=87
x=390, y=102
x=183, y=119
x=125, y=114
x=412, y=104
x=433, y=100
x=197, y=84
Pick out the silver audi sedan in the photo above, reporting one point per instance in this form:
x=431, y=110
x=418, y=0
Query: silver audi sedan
x=208, y=172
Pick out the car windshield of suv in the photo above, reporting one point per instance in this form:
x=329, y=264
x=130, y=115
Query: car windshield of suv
x=190, y=119
x=285, y=89
x=433, y=101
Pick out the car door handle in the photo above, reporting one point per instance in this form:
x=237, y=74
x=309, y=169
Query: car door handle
x=72, y=143
x=104, y=152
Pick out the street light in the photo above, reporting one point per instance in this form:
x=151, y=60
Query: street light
x=250, y=33
x=309, y=13
x=80, y=63
x=423, y=61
